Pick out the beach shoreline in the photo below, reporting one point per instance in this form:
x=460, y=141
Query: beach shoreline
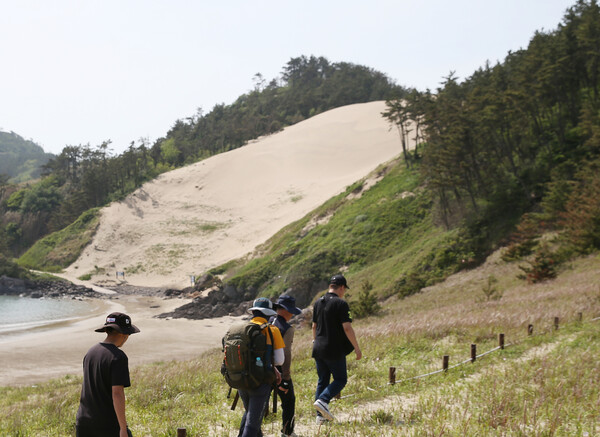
x=39, y=355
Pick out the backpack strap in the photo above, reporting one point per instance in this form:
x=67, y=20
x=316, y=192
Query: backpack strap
x=263, y=326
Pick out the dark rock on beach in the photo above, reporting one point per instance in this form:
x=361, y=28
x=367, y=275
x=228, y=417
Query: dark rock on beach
x=212, y=298
x=39, y=289
x=216, y=303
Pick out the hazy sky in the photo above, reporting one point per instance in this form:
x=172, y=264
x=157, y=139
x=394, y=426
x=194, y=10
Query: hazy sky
x=86, y=71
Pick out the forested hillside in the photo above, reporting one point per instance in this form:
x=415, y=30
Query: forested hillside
x=507, y=155
x=519, y=142
x=84, y=176
x=20, y=160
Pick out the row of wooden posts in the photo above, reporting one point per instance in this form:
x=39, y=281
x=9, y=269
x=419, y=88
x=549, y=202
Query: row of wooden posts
x=182, y=432
x=501, y=345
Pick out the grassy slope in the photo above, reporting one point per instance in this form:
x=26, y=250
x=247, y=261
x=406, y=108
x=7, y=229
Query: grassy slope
x=59, y=249
x=546, y=384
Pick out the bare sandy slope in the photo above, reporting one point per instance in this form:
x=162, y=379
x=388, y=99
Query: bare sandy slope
x=200, y=216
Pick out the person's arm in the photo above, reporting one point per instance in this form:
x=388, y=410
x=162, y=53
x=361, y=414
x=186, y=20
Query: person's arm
x=314, y=328
x=352, y=337
x=288, y=339
x=118, y=397
x=278, y=357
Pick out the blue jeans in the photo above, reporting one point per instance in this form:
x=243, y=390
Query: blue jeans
x=255, y=402
x=327, y=369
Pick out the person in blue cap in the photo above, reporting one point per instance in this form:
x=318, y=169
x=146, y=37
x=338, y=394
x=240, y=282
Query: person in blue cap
x=286, y=309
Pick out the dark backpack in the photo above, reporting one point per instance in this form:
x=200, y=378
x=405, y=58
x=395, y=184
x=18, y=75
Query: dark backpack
x=246, y=363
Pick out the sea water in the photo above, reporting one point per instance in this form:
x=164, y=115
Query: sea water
x=22, y=314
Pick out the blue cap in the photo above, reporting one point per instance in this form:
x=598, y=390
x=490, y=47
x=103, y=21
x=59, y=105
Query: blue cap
x=288, y=303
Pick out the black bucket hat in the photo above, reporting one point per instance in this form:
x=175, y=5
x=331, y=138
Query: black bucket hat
x=119, y=322
x=288, y=303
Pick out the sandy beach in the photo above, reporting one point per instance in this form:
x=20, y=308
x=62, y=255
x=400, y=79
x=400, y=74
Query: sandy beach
x=38, y=356
x=195, y=218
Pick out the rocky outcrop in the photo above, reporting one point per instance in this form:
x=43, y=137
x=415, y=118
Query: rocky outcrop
x=215, y=299
x=219, y=301
x=38, y=289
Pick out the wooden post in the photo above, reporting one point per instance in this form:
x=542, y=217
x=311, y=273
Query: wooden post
x=501, y=341
x=235, y=400
x=181, y=432
x=473, y=352
x=530, y=330
x=229, y=393
x=445, y=361
x=556, y=323
x=579, y=317
x=392, y=375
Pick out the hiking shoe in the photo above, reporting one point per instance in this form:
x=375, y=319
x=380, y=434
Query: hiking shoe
x=323, y=408
x=321, y=420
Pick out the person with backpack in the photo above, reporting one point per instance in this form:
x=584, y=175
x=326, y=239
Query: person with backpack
x=101, y=410
x=286, y=309
x=252, y=351
x=333, y=339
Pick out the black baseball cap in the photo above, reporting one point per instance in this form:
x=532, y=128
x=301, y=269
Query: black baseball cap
x=119, y=322
x=338, y=280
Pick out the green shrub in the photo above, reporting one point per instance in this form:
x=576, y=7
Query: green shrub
x=366, y=305
x=490, y=291
x=542, y=267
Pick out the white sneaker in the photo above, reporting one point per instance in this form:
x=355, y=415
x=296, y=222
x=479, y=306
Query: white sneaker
x=289, y=435
x=323, y=408
x=321, y=420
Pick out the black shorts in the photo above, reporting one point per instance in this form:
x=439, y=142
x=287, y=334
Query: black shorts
x=82, y=431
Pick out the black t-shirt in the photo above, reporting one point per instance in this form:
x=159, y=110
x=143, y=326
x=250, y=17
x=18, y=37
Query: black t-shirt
x=331, y=342
x=104, y=366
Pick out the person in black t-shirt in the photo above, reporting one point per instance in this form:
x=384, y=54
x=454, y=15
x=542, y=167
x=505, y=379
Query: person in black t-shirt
x=105, y=375
x=333, y=339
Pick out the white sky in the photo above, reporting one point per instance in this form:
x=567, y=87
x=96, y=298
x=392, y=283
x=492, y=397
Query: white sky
x=85, y=71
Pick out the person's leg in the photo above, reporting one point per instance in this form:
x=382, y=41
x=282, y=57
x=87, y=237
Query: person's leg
x=245, y=400
x=338, y=371
x=324, y=375
x=288, y=409
x=255, y=410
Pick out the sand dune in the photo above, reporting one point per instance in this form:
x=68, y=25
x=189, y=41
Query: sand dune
x=197, y=217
